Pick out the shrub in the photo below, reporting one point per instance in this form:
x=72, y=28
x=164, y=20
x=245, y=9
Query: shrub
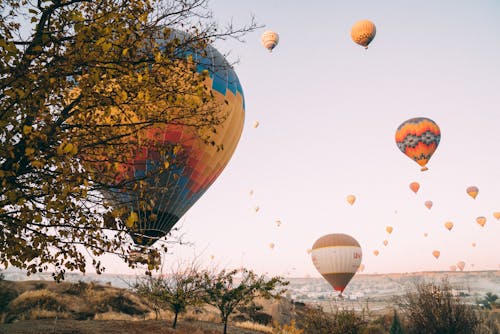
x=22, y=306
x=316, y=321
x=287, y=329
x=432, y=309
x=7, y=294
x=118, y=302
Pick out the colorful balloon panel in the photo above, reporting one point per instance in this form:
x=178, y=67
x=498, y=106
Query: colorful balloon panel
x=363, y=32
x=194, y=164
x=418, y=138
x=337, y=257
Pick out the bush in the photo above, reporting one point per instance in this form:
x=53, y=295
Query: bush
x=316, y=321
x=23, y=306
x=7, y=294
x=432, y=309
x=118, y=302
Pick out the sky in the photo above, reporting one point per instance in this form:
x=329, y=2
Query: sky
x=328, y=112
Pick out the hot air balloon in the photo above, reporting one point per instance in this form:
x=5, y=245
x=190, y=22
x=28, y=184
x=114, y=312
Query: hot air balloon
x=473, y=244
x=376, y=252
x=309, y=250
x=250, y=192
x=361, y=268
x=337, y=257
x=270, y=39
x=481, y=221
x=428, y=204
x=453, y=268
x=256, y=208
x=176, y=161
x=448, y=225
x=255, y=124
x=418, y=138
x=461, y=265
x=389, y=229
x=363, y=32
x=496, y=214
x=278, y=222
x=426, y=234
x=414, y=186
x=271, y=245
x=385, y=242
x=351, y=199
x=472, y=191
x=436, y=254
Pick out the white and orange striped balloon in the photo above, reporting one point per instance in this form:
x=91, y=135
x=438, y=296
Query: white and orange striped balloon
x=337, y=257
x=270, y=39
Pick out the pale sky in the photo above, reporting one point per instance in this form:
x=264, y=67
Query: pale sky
x=328, y=111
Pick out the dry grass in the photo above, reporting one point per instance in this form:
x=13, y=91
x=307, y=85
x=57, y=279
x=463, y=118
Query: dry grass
x=254, y=326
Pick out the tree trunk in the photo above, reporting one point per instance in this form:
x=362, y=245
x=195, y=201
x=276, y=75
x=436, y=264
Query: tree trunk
x=175, y=320
x=225, y=326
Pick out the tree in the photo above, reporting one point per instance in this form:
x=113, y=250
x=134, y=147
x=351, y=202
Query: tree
x=226, y=292
x=432, y=308
x=396, y=327
x=76, y=90
x=176, y=290
x=488, y=301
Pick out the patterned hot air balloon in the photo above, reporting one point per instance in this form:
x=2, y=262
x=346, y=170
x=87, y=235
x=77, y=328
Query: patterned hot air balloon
x=337, y=257
x=472, y=191
x=270, y=39
x=428, y=204
x=414, y=186
x=351, y=199
x=418, y=138
x=448, y=225
x=363, y=32
x=194, y=164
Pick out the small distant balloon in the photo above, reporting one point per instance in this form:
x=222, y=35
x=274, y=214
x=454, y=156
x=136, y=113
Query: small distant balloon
x=309, y=250
x=255, y=124
x=389, y=229
x=428, y=204
x=212, y=257
x=269, y=40
x=376, y=252
x=436, y=254
x=271, y=245
x=361, y=268
x=426, y=234
x=473, y=244
x=481, y=221
x=363, y=32
x=351, y=199
x=385, y=242
x=256, y=208
x=448, y=225
x=472, y=191
x=278, y=222
x=414, y=186
x=461, y=265
x=453, y=268
x=496, y=214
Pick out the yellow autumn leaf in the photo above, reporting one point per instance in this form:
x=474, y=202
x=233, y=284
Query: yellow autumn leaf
x=177, y=148
x=68, y=148
x=37, y=164
x=29, y=151
x=132, y=219
x=27, y=129
x=166, y=164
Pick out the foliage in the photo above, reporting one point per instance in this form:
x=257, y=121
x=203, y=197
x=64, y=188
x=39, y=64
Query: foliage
x=78, y=84
x=287, y=328
x=176, y=290
x=315, y=321
x=396, y=327
x=432, y=308
x=22, y=306
x=488, y=301
x=226, y=292
x=7, y=294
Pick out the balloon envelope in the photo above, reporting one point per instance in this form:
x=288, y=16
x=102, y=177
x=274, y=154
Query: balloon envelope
x=269, y=40
x=436, y=254
x=414, y=186
x=197, y=163
x=496, y=214
x=428, y=204
x=337, y=257
x=481, y=221
x=363, y=32
x=448, y=225
x=385, y=242
x=461, y=265
x=418, y=138
x=472, y=191
x=389, y=229
x=255, y=124
x=351, y=199
x=376, y=252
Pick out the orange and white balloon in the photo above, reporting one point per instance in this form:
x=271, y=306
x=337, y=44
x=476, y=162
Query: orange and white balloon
x=481, y=221
x=351, y=199
x=436, y=254
x=448, y=225
x=472, y=191
x=270, y=39
x=363, y=32
x=389, y=229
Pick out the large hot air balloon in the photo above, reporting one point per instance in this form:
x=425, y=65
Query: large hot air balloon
x=448, y=225
x=389, y=229
x=351, y=199
x=472, y=191
x=189, y=163
x=418, y=138
x=461, y=265
x=428, y=204
x=436, y=254
x=337, y=257
x=270, y=39
x=363, y=32
x=481, y=221
x=414, y=186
